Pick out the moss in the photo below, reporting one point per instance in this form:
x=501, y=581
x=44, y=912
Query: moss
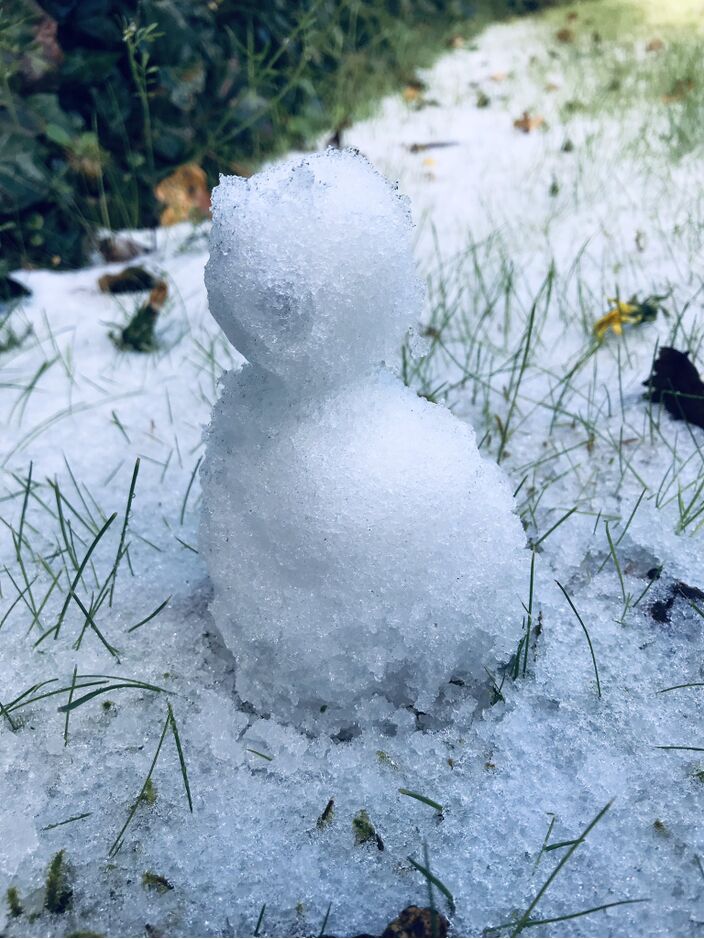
x=385, y=760
x=14, y=904
x=152, y=881
x=58, y=894
x=364, y=830
x=149, y=794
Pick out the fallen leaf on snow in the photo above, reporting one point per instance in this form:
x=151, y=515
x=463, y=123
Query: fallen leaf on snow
x=499, y=76
x=418, y=921
x=120, y=248
x=565, y=35
x=129, y=280
x=675, y=382
x=679, y=90
x=529, y=122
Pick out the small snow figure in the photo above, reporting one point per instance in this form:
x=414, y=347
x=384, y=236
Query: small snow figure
x=362, y=552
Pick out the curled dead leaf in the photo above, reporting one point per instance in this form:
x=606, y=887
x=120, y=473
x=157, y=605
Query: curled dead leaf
x=529, y=122
x=185, y=194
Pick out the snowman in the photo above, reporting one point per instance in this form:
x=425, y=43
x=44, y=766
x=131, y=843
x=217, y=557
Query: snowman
x=362, y=554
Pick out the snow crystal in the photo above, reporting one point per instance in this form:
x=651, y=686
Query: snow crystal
x=358, y=544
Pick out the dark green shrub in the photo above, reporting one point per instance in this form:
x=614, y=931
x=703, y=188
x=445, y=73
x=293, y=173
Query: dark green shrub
x=101, y=99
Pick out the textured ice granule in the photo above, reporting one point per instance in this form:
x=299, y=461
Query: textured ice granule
x=358, y=545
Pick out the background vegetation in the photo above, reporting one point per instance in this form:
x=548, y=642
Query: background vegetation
x=100, y=100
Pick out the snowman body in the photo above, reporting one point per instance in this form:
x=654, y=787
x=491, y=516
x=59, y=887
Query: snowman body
x=362, y=553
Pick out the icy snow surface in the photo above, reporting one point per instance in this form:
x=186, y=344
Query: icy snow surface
x=514, y=771
x=358, y=545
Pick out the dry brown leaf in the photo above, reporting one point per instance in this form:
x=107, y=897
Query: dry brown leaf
x=655, y=45
x=551, y=86
x=679, y=91
x=565, y=34
x=185, y=194
x=499, y=76
x=457, y=42
x=121, y=248
x=417, y=921
x=157, y=297
x=529, y=122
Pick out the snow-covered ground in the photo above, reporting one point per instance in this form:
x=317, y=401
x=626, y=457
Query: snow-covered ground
x=523, y=241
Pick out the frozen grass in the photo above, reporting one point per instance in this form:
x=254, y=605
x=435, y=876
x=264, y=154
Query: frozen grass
x=100, y=560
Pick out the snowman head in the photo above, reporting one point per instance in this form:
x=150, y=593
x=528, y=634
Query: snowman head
x=311, y=273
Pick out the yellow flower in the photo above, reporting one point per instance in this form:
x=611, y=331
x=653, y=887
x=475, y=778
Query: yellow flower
x=619, y=315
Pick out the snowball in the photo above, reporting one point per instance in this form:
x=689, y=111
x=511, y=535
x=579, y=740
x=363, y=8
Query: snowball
x=357, y=542
x=310, y=272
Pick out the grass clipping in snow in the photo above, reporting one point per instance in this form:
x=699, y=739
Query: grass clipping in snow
x=492, y=813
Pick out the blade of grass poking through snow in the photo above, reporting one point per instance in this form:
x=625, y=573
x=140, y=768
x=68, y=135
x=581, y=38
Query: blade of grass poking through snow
x=325, y=921
x=262, y=755
x=123, y=533
x=117, y=843
x=6, y=715
x=529, y=611
x=150, y=617
x=91, y=622
x=586, y=633
x=556, y=525
x=67, y=821
x=560, y=919
x=525, y=918
x=625, y=528
x=181, y=760
x=612, y=549
x=188, y=490
x=169, y=724
x=431, y=896
x=433, y=880
x=62, y=525
x=543, y=847
x=260, y=919
x=424, y=799
x=25, y=500
x=103, y=681
x=504, y=427
x=74, y=584
x=675, y=747
x=690, y=684
x=70, y=698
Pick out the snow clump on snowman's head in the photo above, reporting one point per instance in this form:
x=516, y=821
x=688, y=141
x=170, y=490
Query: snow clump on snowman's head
x=311, y=273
